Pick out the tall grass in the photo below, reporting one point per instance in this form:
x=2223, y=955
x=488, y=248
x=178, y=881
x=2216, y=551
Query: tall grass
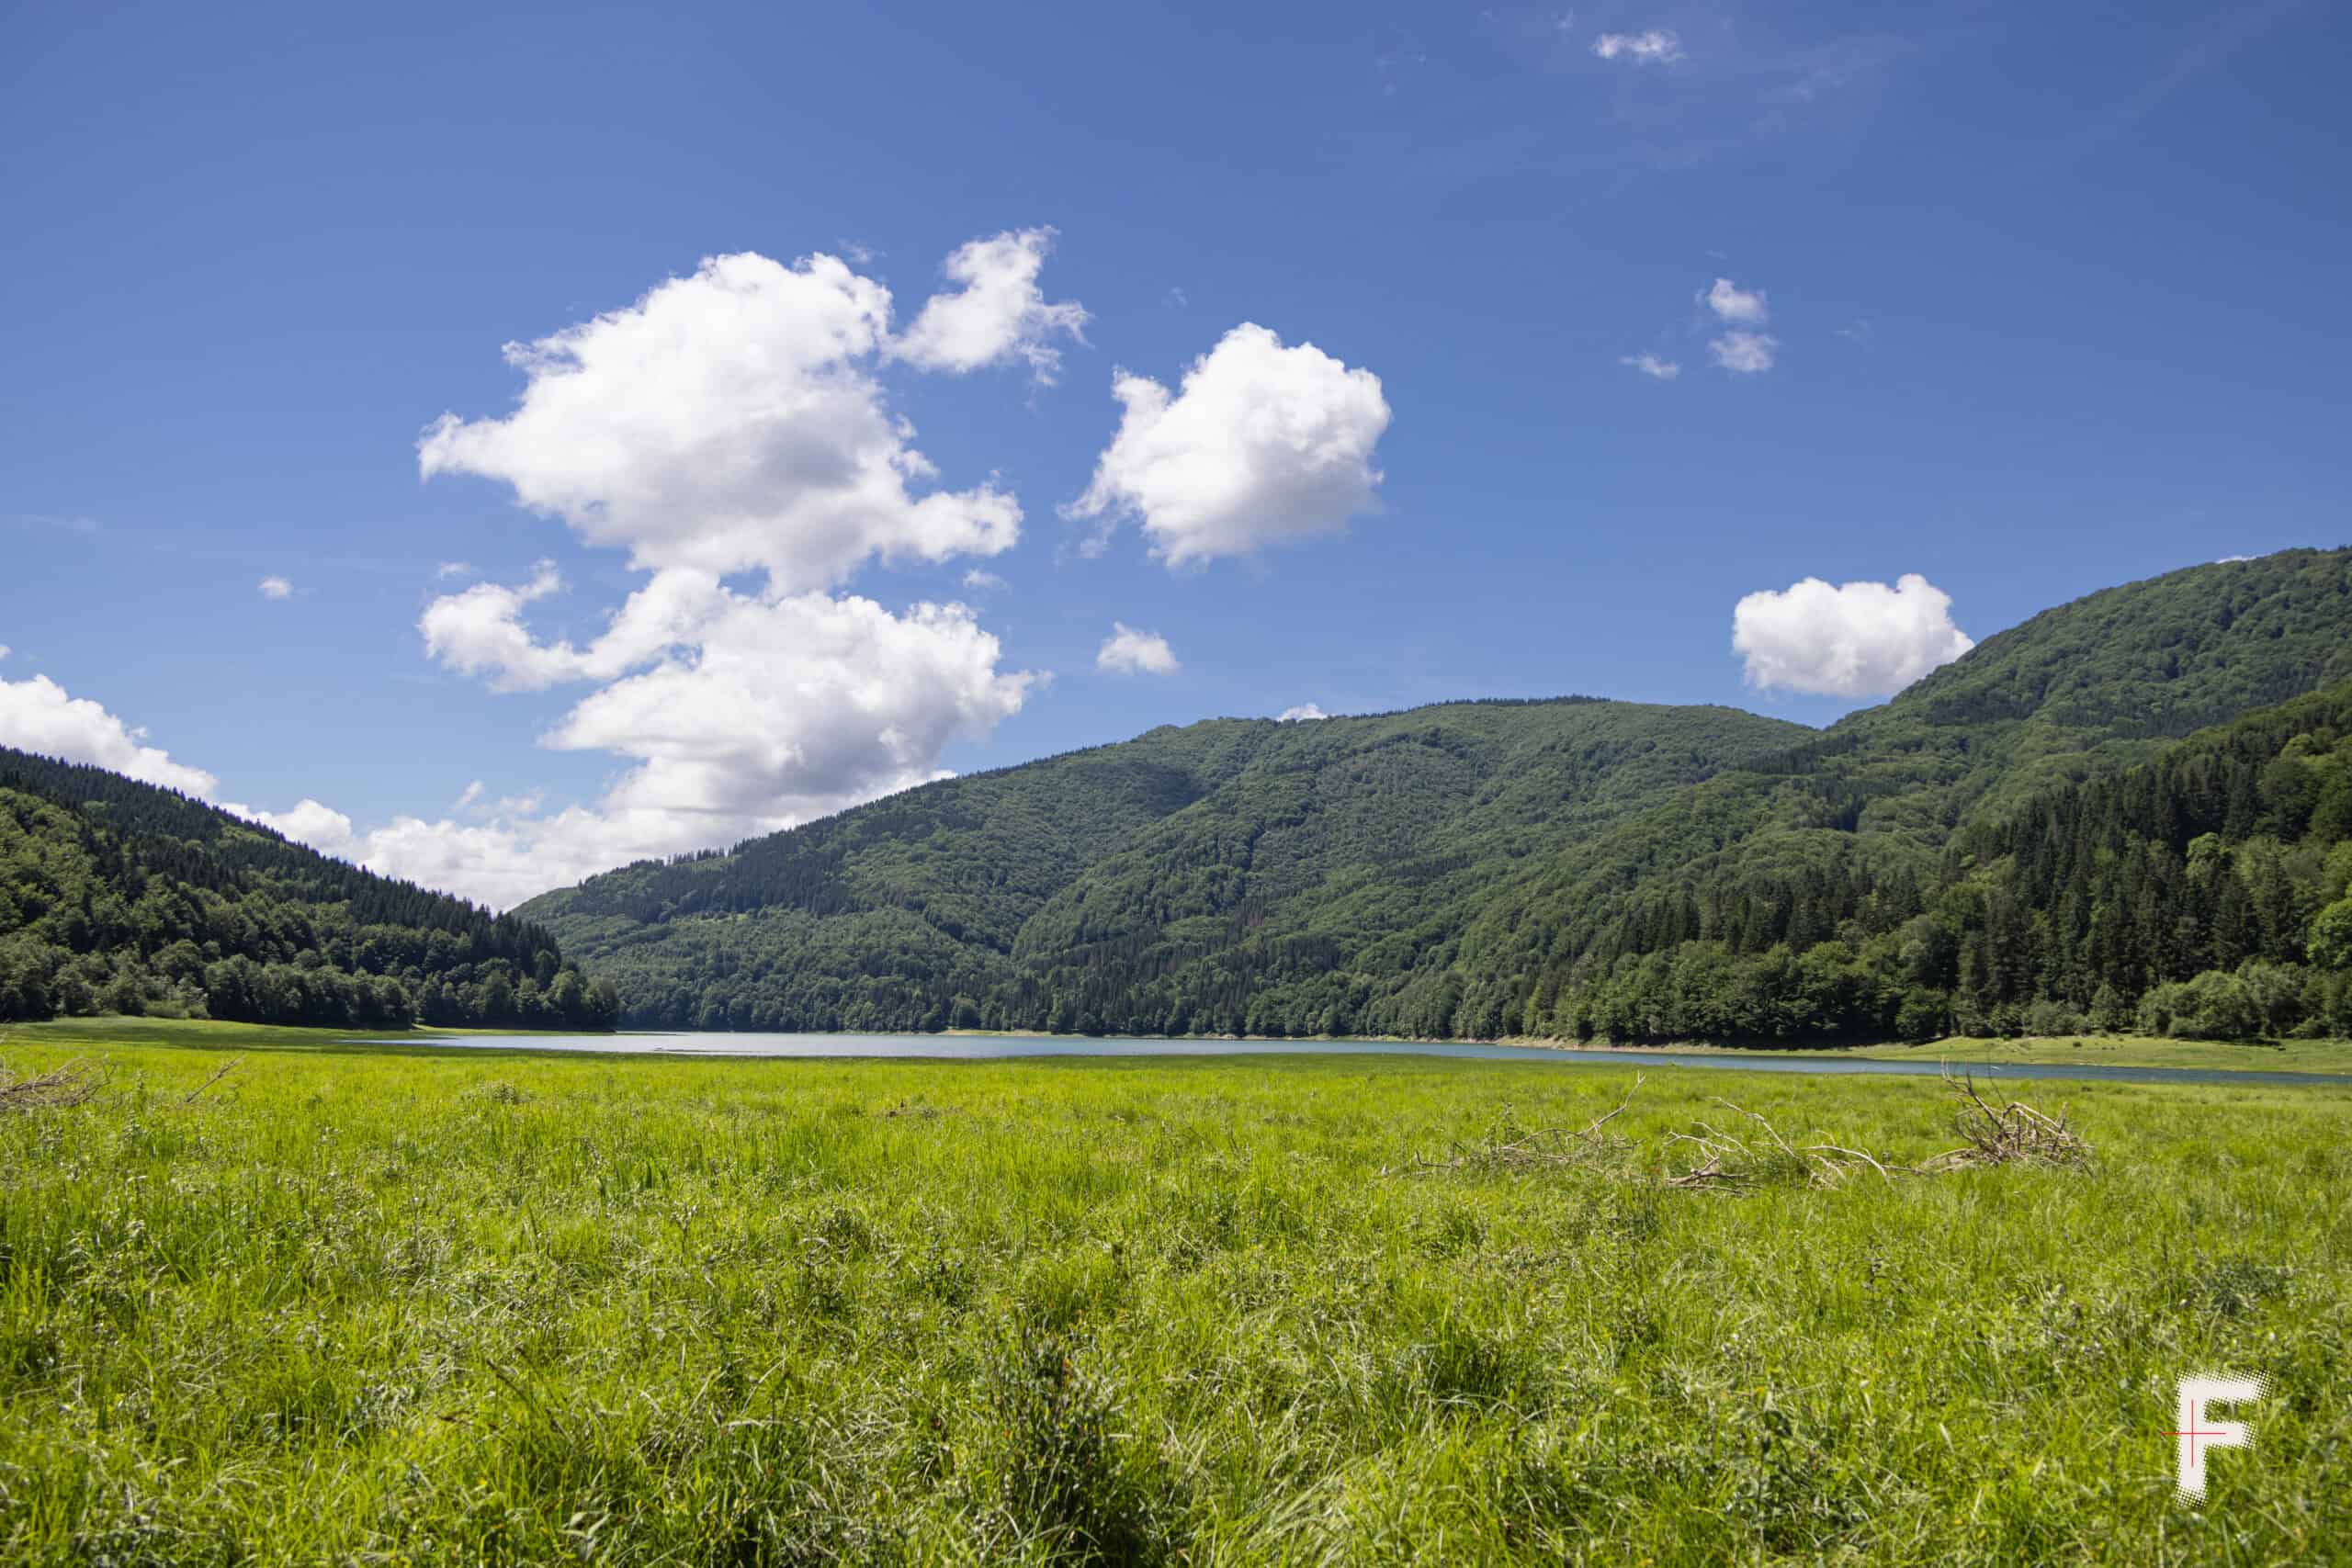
x=417, y=1307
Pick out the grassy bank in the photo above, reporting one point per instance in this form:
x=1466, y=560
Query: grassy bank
x=2103, y=1050
x=2134, y=1051
x=204, y=1033
x=425, y=1306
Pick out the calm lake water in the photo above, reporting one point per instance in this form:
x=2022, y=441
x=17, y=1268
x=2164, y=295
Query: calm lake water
x=967, y=1048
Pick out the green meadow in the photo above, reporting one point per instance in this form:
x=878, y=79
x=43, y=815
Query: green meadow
x=425, y=1303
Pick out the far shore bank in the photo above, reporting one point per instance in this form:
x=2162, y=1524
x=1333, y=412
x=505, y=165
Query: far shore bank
x=2115, y=1051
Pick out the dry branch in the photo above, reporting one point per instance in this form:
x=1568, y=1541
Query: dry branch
x=72, y=1084
x=1541, y=1146
x=2015, y=1135
x=1729, y=1163
x=215, y=1079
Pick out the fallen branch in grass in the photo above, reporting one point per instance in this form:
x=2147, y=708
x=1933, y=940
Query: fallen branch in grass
x=215, y=1079
x=1729, y=1163
x=1541, y=1146
x=2015, y=1135
x=70, y=1085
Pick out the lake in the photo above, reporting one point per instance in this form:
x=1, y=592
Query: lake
x=986, y=1048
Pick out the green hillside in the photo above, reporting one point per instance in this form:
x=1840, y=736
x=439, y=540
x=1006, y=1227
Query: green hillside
x=1501, y=868
x=119, y=897
x=1136, y=886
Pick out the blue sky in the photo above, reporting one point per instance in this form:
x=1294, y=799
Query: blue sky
x=2051, y=299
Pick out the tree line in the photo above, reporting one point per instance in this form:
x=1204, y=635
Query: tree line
x=119, y=897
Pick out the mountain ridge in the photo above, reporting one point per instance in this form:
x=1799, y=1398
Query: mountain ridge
x=1436, y=871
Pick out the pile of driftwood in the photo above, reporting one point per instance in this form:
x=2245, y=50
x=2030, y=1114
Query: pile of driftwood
x=70, y=1085
x=1757, y=1154
x=2015, y=1135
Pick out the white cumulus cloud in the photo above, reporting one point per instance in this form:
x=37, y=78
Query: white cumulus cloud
x=740, y=714
x=1127, y=651
x=1262, y=444
x=479, y=630
x=1303, y=711
x=778, y=712
x=1733, y=304
x=727, y=421
x=982, y=581
x=797, y=707
x=1856, y=639
x=998, y=314
x=1650, y=364
x=275, y=588
x=1658, y=46
x=1747, y=354
x=37, y=715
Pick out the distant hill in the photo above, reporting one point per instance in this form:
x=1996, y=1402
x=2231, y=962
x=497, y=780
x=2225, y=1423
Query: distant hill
x=1502, y=868
x=119, y=897
x=1160, y=884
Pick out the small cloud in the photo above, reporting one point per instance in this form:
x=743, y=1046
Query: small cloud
x=2223, y=561
x=1733, y=304
x=996, y=313
x=1745, y=354
x=1858, y=333
x=3, y=650
x=276, y=588
x=863, y=255
x=980, y=581
x=1650, y=364
x=1127, y=651
x=466, y=798
x=1178, y=300
x=1660, y=46
x=449, y=568
x=1303, y=711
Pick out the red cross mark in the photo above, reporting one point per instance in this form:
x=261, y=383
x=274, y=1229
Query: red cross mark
x=2195, y=1432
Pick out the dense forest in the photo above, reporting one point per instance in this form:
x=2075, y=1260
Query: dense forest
x=119, y=897
x=2035, y=838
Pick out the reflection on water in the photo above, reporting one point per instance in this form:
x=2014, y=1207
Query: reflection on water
x=981, y=1047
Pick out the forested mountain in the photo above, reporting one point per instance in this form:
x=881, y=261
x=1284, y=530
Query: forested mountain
x=1580, y=867
x=119, y=897
x=1161, y=883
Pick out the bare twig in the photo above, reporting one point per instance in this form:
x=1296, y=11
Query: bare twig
x=1541, y=1146
x=1730, y=1164
x=215, y=1079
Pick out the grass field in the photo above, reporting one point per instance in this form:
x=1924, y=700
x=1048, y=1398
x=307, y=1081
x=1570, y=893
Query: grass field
x=418, y=1306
